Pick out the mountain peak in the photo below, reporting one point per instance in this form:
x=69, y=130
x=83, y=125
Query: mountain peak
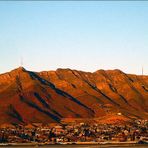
x=114, y=71
x=5, y=77
x=19, y=69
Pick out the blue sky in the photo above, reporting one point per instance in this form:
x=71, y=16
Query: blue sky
x=78, y=35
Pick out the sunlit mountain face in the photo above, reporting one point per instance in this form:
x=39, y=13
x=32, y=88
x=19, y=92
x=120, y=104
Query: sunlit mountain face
x=50, y=96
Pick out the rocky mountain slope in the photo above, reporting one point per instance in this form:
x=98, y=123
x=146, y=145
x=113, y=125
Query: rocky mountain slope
x=50, y=96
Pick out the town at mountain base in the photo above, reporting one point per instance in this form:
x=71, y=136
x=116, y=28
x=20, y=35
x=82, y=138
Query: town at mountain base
x=65, y=94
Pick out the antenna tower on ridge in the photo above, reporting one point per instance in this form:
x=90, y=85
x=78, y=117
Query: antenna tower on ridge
x=142, y=70
x=21, y=62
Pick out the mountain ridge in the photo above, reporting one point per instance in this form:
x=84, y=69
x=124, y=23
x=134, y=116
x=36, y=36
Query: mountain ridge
x=50, y=96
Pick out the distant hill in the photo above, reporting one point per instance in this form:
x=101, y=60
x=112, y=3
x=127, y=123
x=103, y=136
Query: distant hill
x=49, y=96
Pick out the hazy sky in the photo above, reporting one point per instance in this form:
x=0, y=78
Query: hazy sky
x=79, y=35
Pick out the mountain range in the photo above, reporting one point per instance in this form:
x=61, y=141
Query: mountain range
x=50, y=96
